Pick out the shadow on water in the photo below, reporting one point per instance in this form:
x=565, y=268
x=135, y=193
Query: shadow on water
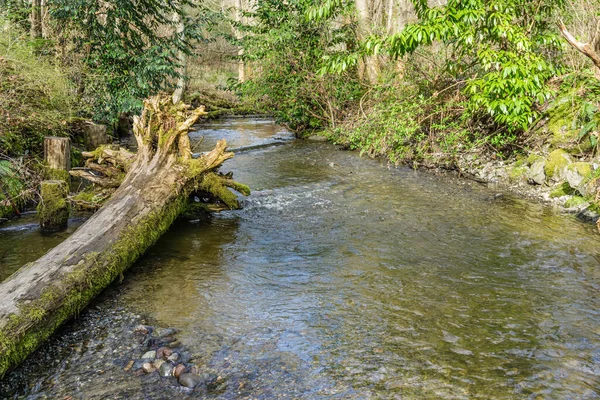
x=345, y=278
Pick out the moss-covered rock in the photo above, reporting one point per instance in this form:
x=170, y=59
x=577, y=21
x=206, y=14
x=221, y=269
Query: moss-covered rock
x=519, y=173
x=578, y=174
x=556, y=164
x=54, y=209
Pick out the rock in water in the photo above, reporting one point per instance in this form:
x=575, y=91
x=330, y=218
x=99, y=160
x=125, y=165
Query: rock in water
x=173, y=357
x=163, y=352
x=158, y=363
x=189, y=380
x=148, y=368
x=166, y=370
x=178, y=370
x=149, y=354
x=317, y=138
x=162, y=332
x=143, y=329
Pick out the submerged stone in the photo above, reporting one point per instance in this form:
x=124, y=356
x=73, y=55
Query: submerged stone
x=158, y=363
x=166, y=370
x=190, y=380
x=179, y=369
x=148, y=368
x=149, y=354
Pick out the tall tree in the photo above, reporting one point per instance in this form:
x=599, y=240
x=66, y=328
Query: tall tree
x=36, y=19
x=370, y=65
x=179, y=23
x=239, y=12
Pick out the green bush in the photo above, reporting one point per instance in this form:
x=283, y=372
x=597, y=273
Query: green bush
x=36, y=99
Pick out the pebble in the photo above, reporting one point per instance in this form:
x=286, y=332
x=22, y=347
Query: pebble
x=158, y=363
x=168, y=339
x=179, y=370
x=173, y=357
x=149, y=354
x=166, y=370
x=128, y=366
x=189, y=380
x=143, y=329
x=148, y=368
x=162, y=332
x=163, y=352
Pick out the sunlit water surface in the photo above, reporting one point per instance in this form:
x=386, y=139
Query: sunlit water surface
x=344, y=278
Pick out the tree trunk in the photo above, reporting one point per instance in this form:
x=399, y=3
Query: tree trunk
x=371, y=63
x=182, y=58
x=57, y=153
x=239, y=9
x=42, y=295
x=390, y=18
x=36, y=19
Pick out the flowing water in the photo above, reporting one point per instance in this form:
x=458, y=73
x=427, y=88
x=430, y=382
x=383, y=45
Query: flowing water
x=341, y=278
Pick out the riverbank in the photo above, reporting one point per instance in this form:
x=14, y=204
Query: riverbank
x=555, y=161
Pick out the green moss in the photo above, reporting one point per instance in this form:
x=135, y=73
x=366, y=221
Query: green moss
x=562, y=190
x=575, y=201
x=217, y=186
x=54, y=209
x=76, y=157
x=51, y=174
x=582, y=168
x=518, y=173
x=85, y=195
x=556, y=162
x=560, y=117
x=533, y=158
x=521, y=162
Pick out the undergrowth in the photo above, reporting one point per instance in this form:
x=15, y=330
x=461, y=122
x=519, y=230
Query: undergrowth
x=35, y=97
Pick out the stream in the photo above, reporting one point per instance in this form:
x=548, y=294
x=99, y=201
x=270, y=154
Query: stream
x=342, y=278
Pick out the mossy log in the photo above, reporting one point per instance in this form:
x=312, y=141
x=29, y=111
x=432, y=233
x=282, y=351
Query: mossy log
x=42, y=295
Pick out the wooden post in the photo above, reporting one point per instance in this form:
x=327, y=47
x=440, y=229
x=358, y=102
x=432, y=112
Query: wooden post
x=54, y=208
x=57, y=153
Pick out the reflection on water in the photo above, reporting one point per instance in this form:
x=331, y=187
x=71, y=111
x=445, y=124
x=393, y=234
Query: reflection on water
x=344, y=278
x=21, y=242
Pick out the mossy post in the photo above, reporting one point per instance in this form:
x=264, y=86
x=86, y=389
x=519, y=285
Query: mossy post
x=42, y=295
x=54, y=209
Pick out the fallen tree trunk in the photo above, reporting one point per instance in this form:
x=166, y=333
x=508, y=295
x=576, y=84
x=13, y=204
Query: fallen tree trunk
x=42, y=295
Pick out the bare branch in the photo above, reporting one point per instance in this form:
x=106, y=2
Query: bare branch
x=584, y=48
